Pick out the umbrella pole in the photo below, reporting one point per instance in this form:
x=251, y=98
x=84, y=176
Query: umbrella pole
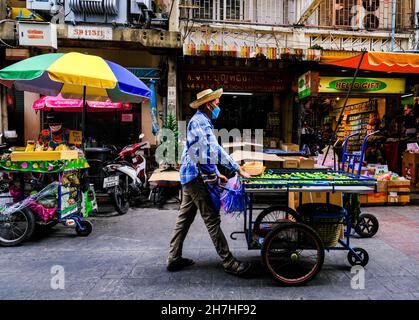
x=344, y=104
x=83, y=118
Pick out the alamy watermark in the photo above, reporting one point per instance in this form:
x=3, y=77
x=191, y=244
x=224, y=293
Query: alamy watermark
x=58, y=277
x=358, y=280
x=201, y=144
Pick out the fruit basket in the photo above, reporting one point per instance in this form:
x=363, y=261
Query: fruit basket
x=254, y=168
x=43, y=155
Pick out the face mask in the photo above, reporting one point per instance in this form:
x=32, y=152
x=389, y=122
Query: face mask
x=215, y=112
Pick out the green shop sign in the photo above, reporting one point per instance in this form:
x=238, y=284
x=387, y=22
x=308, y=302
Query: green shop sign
x=366, y=85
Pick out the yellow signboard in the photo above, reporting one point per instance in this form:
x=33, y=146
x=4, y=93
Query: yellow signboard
x=75, y=137
x=362, y=85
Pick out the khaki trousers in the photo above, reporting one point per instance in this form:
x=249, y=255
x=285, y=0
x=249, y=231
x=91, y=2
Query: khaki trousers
x=195, y=196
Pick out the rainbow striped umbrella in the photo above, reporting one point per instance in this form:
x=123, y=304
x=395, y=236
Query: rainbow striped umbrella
x=75, y=76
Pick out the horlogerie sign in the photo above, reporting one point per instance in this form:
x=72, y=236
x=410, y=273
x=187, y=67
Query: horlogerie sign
x=364, y=85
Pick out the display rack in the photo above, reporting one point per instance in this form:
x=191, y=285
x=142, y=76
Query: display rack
x=357, y=120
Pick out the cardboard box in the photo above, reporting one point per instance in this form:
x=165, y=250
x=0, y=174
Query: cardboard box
x=382, y=186
x=410, y=166
x=291, y=163
x=290, y=147
x=314, y=197
x=398, y=186
x=363, y=198
x=307, y=163
x=398, y=199
x=377, y=198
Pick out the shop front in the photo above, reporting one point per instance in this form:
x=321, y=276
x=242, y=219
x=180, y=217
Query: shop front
x=373, y=107
x=254, y=98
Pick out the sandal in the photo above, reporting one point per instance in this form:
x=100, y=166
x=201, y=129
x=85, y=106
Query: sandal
x=179, y=264
x=238, y=268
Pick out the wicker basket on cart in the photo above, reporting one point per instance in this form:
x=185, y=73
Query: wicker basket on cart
x=325, y=219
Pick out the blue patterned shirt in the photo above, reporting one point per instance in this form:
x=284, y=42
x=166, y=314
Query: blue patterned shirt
x=202, y=147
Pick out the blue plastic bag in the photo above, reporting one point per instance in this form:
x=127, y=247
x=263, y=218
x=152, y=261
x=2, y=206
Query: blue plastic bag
x=233, y=199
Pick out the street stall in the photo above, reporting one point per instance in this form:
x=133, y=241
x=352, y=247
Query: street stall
x=29, y=198
x=292, y=242
x=75, y=76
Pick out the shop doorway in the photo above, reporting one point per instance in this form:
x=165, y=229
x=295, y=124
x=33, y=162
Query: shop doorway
x=244, y=111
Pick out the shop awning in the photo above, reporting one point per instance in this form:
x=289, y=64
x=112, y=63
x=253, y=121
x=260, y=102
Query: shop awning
x=58, y=103
x=379, y=61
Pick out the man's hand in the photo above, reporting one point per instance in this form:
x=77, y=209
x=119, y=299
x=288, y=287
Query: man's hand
x=223, y=179
x=244, y=174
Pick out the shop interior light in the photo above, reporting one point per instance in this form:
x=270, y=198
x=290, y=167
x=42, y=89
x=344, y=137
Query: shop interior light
x=238, y=93
x=407, y=95
x=337, y=98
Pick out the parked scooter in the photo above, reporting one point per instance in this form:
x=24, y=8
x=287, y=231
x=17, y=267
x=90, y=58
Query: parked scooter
x=123, y=178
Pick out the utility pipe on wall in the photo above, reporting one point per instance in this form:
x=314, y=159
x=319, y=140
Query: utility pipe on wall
x=393, y=25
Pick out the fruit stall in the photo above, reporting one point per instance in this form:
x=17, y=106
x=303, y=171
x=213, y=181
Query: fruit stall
x=42, y=188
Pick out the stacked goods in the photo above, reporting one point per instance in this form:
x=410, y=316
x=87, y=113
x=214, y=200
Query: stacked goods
x=254, y=168
x=390, y=189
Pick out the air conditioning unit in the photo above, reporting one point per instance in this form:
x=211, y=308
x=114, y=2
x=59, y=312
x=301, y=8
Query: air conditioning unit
x=96, y=11
x=47, y=6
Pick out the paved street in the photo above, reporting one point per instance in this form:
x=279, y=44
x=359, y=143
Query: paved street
x=124, y=258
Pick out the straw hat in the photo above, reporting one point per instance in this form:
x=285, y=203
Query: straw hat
x=206, y=96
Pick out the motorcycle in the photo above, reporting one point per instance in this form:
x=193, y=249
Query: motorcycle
x=122, y=178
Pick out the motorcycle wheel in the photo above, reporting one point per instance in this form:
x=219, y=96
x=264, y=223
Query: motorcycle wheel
x=120, y=199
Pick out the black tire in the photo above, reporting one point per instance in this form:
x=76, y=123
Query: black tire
x=88, y=227
x=367, y=225
x=16, y=227
x=119, y=199
x=297, y=249
x=362, y=253
x=270, y=217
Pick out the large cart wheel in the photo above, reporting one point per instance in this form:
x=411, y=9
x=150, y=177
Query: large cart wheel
x=270, y=217
x=367, y=225
x=293, y=253
x=362, y=260
x=16, y=227
x=87, y=228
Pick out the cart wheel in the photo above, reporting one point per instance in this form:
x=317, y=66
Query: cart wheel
x=87, y=228
x=367, y=225
x=270, y=217
x=293, y=253
x=16, y=227
x=354, y=261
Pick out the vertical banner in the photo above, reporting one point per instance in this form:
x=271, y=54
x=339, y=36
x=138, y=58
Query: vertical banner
x=153, y=108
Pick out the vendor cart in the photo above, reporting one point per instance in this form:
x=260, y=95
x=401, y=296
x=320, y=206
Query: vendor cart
x=292, y=242
x=44, y=192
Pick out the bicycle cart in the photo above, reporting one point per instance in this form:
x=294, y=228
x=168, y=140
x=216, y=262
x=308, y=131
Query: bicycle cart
x=27, y=201
x=292, y=242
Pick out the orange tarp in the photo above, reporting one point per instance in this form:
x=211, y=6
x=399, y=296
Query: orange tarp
x=379, y=61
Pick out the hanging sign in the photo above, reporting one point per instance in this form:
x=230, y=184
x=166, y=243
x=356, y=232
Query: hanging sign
x=364, y=85
x=127, y=117
x=236, y=81
x=308, y=84
x=75, y=137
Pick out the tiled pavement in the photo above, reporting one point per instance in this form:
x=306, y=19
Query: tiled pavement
x=124, y=258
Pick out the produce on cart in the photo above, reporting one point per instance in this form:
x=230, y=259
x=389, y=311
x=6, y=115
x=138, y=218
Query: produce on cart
x=293, y=242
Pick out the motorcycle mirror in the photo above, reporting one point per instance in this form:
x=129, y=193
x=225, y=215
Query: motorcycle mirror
x=141, y=136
